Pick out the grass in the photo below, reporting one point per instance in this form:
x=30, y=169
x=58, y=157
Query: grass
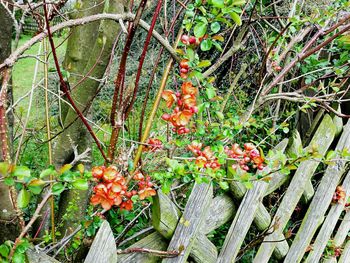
x=23, y=73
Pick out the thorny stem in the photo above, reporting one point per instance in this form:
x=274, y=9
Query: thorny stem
x=65, y=88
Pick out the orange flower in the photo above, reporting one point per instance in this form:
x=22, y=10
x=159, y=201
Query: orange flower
x=144, y=193
x=97, y=171
x=169, y=96
x=127, y=205
x=188, y=89
x=207, y=153
x=201, y=161
x=138, y=176
x=110, y=174
x=189, y=101
x=195, y=147
x=182, y=118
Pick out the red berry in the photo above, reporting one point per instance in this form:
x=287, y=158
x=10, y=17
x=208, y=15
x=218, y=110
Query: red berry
x=184, y=63
x=184, y=70
x=192, y=40
x=166, y=116
x=185, y=39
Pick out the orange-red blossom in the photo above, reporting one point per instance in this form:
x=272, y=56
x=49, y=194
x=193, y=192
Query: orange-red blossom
x=186, y=106
x=111, y=189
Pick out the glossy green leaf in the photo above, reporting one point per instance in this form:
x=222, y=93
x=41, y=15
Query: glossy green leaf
x=81, y=184
x=21, y=172
x=218, y=3
x=23, y=198
x=206, y=44
x=57, y=188
x=204, y=64
x=235, y=17
x=200, y=29
x=215, y=27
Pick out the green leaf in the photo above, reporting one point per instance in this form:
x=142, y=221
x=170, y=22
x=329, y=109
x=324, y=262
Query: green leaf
x=4, y=250
x=215, y=27
x=238, y=2
x=21, y=172
x=190, y=54
x=18, y=258
x=204, y=64
x=218, y=3
x=23, y=198
x=81, y=184
x=65, y=168
x=206, y=44
x=200, y=29
x=35, y=189
x=4, y=168
x=22, y=246
x=235, y=17
x=224, y=185
x=9, y=181
x=47, y=172
x=220, y=115
x=217, y=46
x=211, y=93
x=57, y=188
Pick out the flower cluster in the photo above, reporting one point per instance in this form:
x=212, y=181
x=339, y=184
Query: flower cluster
x=153, y=145
x=186, y=106
x=339, y=195
x=145, y=185
x=249, y=157
x=204, y=157
x=112, y=190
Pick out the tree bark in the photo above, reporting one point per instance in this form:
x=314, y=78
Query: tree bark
x=8, y=220
x=85, y=46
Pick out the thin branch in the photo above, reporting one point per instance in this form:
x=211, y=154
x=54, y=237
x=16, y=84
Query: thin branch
x=82, y=21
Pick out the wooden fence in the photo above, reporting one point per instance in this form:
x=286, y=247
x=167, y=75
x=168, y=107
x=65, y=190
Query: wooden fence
x=241, y=208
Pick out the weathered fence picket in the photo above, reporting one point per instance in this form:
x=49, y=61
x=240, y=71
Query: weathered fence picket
x=322, y=140
x=187, y=231
x=321, y=201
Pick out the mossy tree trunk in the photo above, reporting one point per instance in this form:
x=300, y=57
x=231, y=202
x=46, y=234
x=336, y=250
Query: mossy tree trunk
x=8, y=220
x=88, y=46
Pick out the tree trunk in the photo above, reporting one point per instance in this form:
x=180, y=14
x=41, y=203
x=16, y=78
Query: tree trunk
x=85, y=46
x=8, y=219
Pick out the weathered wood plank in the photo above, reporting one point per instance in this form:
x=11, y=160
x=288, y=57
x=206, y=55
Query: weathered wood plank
x=308, y=193
x=165, y=215
x=322, y=140
x=320, y=202
x=245, y=215
x=341, y=235
x=328, y=226
x=39, y=257
x=344, y=258
x=103, y=248
x=190, y=222
x=222, y=210
x=153, y=241
x=204, y=251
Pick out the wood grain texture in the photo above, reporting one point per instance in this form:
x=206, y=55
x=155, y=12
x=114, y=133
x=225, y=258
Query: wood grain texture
x=322, y=140
x=165, y=215
x=321, y=201
x=190, y=222
x=153, y=241
x=103, y=248
x=39, y=257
